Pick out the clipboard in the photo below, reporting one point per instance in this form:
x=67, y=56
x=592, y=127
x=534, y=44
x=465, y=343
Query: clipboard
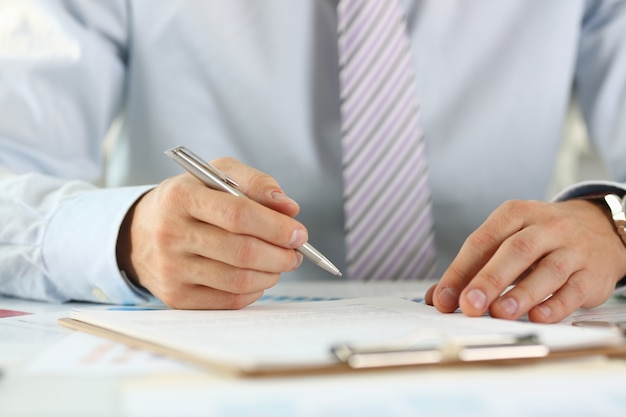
x=435, y=347
x=478, y=348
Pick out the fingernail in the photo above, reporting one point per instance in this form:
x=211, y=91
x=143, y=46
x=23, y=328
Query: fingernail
x=299, y=259
x=509, y=305
x=280, y=197
x=545, y=311
x=449, y=298
x=298, y=238
x=477, y=299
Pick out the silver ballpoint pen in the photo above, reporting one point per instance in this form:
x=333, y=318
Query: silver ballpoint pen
x=217, y=180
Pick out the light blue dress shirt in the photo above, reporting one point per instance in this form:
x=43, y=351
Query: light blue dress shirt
x=258, y=80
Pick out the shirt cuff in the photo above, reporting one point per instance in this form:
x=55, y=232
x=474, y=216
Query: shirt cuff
x=79, y=248
x=586, y=188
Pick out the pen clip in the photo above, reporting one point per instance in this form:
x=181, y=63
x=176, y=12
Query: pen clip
x=228, y=180
x=206, y=172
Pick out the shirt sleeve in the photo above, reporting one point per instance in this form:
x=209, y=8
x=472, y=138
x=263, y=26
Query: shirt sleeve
x=600, y=81
x=62, y=72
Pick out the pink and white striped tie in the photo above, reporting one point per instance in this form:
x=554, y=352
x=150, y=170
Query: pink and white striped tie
x=389, y=230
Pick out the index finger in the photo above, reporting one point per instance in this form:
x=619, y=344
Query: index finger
x=246, y=217
x=258, y=186
x=476, y=251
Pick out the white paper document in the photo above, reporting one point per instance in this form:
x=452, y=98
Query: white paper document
x=302, y=334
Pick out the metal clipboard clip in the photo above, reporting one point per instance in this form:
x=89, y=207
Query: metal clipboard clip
x=619, y=326
x=432, y=347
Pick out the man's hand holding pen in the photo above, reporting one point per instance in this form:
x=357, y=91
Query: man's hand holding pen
x=194, y=247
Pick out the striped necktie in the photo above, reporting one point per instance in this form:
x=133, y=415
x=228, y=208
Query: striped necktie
x=389, y=231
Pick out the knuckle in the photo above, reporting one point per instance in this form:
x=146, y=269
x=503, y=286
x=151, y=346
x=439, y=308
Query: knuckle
x=286, y=260
x=557, y=267
x=166, y=270
x=235, y=301
x=519, y=207
x=245, y=252
x=578, y=288
x=236, y=216
x=174, y=297
x=482, y=240
x=524, y=247
x=284, y=232
x=457, y=272
x=162, y=233
x=558, y=306
x=224, y=162
x=561, y=226
x=173, y=192
x=259, y=180
x=513, y=206
x=492, y=280
x=563, y=304
x=242, y=281
x=164, y=277
x=525, y=294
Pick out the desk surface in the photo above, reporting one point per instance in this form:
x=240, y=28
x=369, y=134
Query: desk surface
x=52, y=371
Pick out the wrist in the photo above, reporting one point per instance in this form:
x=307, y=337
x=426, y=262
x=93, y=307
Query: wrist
x=614, y=206
x=618, y=214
